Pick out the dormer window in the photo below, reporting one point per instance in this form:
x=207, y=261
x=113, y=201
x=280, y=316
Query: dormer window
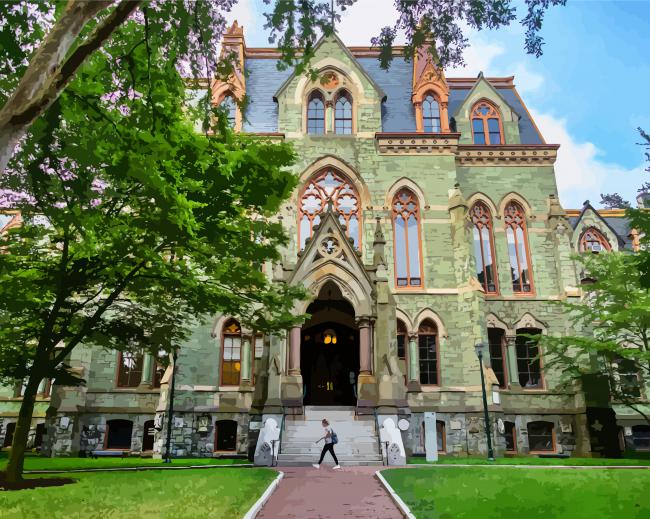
x=430, y=114
x=316, y=114
x=343, y=114
x=486, y=124
x=594, y=241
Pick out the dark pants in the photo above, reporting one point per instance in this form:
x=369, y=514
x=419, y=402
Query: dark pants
x=328, y=447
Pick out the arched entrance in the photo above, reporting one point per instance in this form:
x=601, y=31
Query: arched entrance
x=329, y=351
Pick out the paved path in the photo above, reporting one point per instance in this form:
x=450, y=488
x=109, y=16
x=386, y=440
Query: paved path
x=309, y=493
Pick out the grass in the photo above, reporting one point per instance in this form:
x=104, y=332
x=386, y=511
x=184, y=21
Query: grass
x=133, y=495
x=470, y=492
x=39, y=463
x=443, y=460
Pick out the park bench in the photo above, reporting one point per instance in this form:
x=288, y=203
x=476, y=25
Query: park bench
x=109, y=453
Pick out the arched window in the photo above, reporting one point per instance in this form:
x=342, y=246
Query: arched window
x=343, y=113
x=406, y=226
x=529, y=363
x=486, y=124
x=230, y=107
x=428, y=352
x=592, y=240
x=401, y=339
x=231, y=354
x=327, y=185
x=430, y=114
x=518, y=252
x=316, y=113
x=484, y=247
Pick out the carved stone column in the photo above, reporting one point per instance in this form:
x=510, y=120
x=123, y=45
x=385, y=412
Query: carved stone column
x=294, y=350
x=147, y=371
x=246, y=372
x=511, y=362
x=414, y=365
x=365, y=346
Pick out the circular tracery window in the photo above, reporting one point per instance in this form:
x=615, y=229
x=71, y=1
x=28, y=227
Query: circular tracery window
x=329, y=185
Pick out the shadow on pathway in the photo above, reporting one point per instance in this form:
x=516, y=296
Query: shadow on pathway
x=310, y=493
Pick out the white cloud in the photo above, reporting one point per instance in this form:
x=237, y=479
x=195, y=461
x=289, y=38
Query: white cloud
x=364, y=20
x=244, y=12
x=580, y=170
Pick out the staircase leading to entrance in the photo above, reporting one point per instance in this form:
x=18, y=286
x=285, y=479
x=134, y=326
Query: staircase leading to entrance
x=357, y=435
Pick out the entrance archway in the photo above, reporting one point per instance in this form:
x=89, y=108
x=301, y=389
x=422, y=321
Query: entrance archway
x=329, y=350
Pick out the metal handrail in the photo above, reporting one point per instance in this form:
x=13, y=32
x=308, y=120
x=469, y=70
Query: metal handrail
x=374, y=412
x=284, y=415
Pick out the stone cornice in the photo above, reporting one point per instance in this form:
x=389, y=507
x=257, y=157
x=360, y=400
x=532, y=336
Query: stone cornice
x=417, y=143
x=507, y=155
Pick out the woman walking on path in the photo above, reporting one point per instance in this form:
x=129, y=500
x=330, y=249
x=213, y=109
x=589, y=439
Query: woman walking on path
x=330, y=439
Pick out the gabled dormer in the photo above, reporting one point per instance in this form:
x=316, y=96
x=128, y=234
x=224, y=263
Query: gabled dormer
x=343, y=100
x=485, y=117
x=430, y=94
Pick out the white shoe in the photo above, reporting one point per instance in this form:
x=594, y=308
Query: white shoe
x=336, y=467
x=315, y=465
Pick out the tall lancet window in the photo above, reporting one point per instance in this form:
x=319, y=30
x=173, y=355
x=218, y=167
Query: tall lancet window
x=430, y=114
x=343, y=114
x=324, y=186
x=486, y=124
x=230, y=107
x=592, y=240
x=484, y=247
x=406, y=225
x=316, y=113
x=518, y=251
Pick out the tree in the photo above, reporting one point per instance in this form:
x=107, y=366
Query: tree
x=295, y=26
x=640, y=220
x=134, y=225
x=611, y=327
x=79, y=28
x=613, y=201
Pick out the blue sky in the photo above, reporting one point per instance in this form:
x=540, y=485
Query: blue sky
x=588, y=92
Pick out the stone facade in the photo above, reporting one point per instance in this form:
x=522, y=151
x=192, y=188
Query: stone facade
x=382, y=155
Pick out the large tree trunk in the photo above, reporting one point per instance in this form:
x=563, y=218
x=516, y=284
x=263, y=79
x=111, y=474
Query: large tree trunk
x=21, y=434
x=49, y=72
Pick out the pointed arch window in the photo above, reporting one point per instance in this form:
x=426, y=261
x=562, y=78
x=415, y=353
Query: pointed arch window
x=401, y=339
x=324, y=186
x=343, y=113
x=484, y=247
x=518, y=251
x=406, y=227
x=430, y=114
x=428, y=352
x=592, y=240
x=316, y=113
x=486, y=124
x=230, y=108
x=231, y=353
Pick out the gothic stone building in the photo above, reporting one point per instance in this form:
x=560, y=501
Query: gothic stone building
x=426, y=221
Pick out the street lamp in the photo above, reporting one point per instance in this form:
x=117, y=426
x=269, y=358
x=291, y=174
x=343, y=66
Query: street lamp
x=479, y=353
x=168, y=454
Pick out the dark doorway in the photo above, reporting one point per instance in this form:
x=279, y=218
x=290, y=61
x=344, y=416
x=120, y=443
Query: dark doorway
x=118, y=434
x=9, y=434
x=38, y=437
x=225, y=435
x=329, y=351
x=147, y=439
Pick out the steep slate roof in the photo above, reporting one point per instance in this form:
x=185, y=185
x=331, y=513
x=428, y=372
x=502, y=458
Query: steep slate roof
x=264, y=80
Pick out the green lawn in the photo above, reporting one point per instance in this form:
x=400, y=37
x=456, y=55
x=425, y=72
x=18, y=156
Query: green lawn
x=444, y=460
x=39, y=463
x=183, y=494
x=477, y=492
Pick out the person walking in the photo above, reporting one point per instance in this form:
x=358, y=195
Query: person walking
x=330, y=440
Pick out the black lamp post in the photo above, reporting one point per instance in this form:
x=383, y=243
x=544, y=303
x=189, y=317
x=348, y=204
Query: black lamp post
x=479, y=353
x=168, y=454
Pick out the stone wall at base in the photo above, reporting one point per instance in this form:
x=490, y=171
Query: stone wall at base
x=464, y=433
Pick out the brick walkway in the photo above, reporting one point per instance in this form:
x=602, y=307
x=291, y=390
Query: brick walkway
x=308, y=493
